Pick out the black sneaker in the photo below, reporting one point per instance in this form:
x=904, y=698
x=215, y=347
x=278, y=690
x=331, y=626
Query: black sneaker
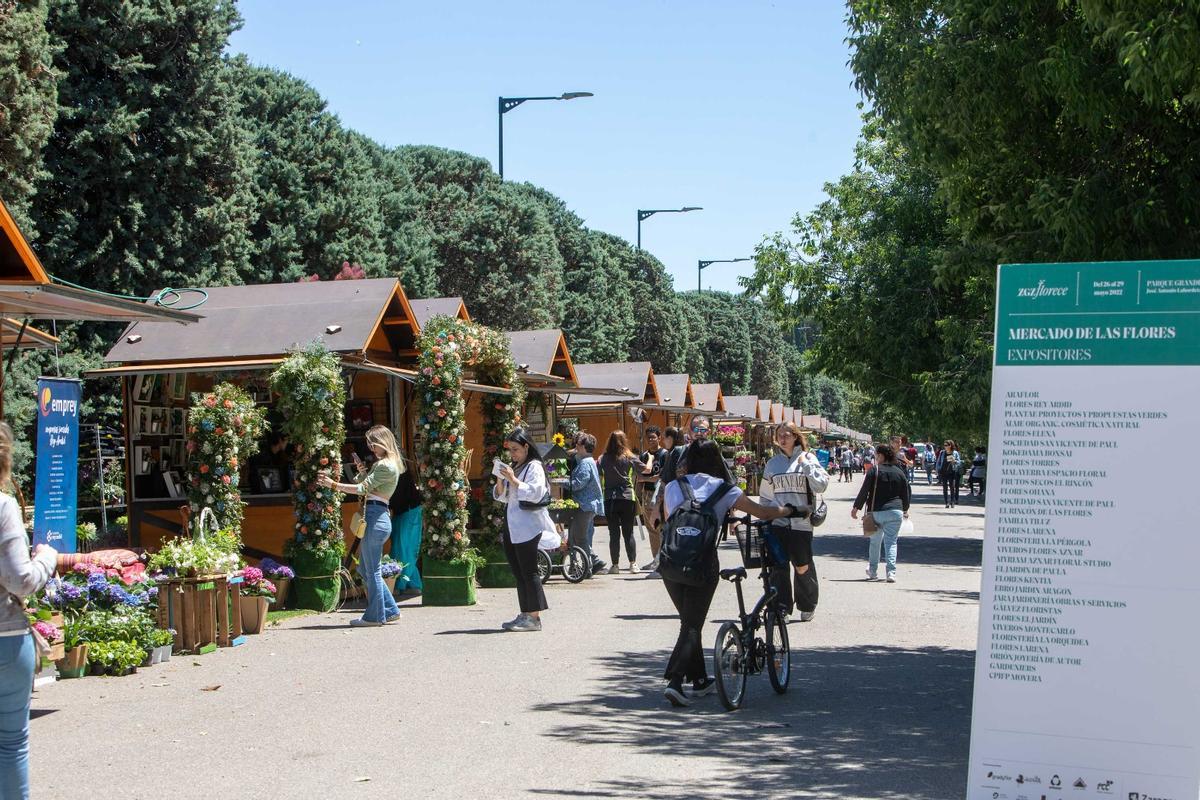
x=703, y=687
x=674, y=693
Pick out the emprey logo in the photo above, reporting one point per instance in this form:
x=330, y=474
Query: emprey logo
x=683, y=530
x=1042, y=290
x=48, y=404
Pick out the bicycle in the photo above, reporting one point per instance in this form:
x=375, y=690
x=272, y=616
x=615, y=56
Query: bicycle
x=739, y=651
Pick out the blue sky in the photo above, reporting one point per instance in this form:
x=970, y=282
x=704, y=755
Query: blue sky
x=745, y=108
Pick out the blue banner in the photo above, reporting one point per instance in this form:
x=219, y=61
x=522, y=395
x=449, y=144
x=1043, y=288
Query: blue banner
x=57, y=487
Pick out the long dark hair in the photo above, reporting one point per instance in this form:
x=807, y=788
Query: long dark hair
x=519, y=436
x=704, y=458
x=618, y=446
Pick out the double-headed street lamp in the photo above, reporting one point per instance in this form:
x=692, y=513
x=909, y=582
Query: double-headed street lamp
x=700, y=265
x=507, y=104
x=650, y=212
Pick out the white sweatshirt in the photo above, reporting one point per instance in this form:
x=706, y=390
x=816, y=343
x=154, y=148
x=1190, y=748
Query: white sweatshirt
x=787, y=481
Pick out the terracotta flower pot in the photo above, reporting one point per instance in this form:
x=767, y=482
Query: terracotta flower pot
x=390, y=583
x=254, y=613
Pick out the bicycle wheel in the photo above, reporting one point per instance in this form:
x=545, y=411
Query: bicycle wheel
x=729, y=662
x=575, y=565
x=544, y=567
x=779, y=654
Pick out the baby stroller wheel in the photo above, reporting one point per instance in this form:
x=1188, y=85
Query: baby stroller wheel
x=544, y=567
x=575, y=565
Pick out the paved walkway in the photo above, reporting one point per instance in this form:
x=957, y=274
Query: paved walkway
x=446, y=705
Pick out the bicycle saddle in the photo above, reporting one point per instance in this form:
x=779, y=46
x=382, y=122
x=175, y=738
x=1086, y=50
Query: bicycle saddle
x=735, y=574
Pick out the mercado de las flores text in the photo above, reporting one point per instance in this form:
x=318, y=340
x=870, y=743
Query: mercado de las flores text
x=776, y=400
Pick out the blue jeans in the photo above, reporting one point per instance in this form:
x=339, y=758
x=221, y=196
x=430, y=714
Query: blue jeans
x=17, y=662
x=889, y=521
x=380, y=603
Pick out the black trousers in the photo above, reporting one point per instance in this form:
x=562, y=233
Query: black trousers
x=949, y=488
x=692, y=603
x=522, y=560
x=620, y=514
x=798, y=545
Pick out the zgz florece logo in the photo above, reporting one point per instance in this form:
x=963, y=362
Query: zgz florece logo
x=1042, y=290
x=47, y=404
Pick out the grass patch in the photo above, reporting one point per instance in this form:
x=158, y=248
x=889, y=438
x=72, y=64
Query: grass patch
x=276, y=617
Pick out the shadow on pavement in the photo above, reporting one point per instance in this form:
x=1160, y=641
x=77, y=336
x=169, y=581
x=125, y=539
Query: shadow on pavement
x=862, y=722
x=931, y=550
x=471, y=632
x=638, y=617
x=951, y=595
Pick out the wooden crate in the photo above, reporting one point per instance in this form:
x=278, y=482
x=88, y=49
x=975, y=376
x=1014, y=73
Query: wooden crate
x=205, y=613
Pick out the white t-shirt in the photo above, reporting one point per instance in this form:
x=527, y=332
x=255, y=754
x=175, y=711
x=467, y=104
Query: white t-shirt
x=702, y=486
x=525, y=524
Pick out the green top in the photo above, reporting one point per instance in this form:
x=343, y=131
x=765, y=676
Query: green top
x=381, y=480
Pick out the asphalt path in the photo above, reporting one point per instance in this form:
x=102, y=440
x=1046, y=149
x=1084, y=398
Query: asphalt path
x=445, y=704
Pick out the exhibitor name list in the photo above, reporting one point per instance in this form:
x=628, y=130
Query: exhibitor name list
x=1039, y=625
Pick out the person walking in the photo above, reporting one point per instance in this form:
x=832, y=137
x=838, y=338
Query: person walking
x=20, y=576
x=586, y=491
x=794, y=477
x=618, y=465
x=376, y=487
x=888, y=494
x=655, y=454
x=524, y=482
x=847, y=470
x=928, y=462
x=704, y=470
x=949, y=469
x=978, y=473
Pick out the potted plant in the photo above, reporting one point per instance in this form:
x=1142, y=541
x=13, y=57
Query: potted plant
x=74, y=661
x=390, y=568
x=53, y=635
x=161, y=641
x=563, y=511
x=281, y=575
x=257, y=594
x=115, y=658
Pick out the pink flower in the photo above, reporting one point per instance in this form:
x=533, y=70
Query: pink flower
x=252, y=574
x=427, y=371
x=210, y=401
x=229, y=404
x=225, y=479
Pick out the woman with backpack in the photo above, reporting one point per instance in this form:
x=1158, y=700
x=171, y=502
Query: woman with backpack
x=618, y=466
x=949, y=471
x=524, y=489
x=703, y=465
x=794, y=477
x=887, y=495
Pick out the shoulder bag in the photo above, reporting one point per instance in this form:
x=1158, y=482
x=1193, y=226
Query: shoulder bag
x=534, y=505
x=869, y=525
x=819, y=511
x=358, y=522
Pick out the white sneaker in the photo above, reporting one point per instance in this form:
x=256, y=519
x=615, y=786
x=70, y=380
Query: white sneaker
x=891, y=578
x=634, y=568
x=806, y=616
x=528, y=623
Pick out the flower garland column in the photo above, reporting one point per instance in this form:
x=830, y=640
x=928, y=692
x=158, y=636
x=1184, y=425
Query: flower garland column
x=312, y=402
x=447, y=345
x=223, y=431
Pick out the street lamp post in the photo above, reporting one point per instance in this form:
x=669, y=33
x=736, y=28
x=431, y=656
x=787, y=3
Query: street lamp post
x=700, y=265
x=646, y=213
x=507, y=104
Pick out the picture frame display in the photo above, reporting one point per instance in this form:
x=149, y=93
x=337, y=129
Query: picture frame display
x=144, y=388
x=177, y=387
x=142, y=462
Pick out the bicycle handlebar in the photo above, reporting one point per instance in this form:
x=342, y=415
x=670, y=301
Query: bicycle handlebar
x=746, y=519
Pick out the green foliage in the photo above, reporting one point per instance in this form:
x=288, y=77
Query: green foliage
x=312, y=399
x=30, y=101
x=447, y=346
x=148, y=173
x=866, y=268
x=223, y=433
x=189, y=558
x=133, y=626
x=116, y=656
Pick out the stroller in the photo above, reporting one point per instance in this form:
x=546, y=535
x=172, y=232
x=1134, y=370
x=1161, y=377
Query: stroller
x=555, y=556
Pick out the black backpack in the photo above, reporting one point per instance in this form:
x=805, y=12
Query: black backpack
x=690, y=538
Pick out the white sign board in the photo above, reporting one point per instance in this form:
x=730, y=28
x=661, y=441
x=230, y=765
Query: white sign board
x=1087, y=676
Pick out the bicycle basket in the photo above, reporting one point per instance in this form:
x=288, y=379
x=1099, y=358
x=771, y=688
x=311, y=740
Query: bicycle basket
x=757, y=545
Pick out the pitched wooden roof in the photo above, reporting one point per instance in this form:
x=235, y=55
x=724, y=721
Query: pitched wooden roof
x=370, y=315
x=542, y=353
x=764, y=410
x=709, y=398
x=675, y=390
x=427, y=308
x=14, y=332
x=742, y=405
x=636, y=377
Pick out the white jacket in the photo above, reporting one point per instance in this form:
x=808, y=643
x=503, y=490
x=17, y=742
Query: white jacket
x=787, y=481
